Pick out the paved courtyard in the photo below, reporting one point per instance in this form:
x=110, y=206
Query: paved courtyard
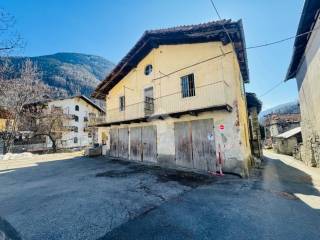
x=67, y=196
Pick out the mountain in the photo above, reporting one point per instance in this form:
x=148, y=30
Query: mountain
x=69, y=73
x=286, y=108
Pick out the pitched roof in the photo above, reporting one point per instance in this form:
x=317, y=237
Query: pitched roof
x=308, y=18
x=207, y=32
x=290, y=133
x=253, y=101
x=276, y=118
x=83, y=97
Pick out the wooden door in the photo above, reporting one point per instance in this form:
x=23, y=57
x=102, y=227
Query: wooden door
x=135, y=144
x=123, y=143
x=149, y=144
x=114, y=141
x=183, y=144
x=203, y=146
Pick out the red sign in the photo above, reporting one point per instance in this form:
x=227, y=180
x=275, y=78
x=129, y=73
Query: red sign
x=221, y=127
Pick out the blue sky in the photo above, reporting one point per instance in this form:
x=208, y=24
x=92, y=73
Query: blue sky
x=110, y=28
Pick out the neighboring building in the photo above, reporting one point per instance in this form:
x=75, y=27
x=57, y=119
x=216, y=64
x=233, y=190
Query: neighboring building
x=305, y=67
x=177, y=99
x=254, y=108
x=287, y=142
x=4, y=118
x=276, y=124
x=79, y=115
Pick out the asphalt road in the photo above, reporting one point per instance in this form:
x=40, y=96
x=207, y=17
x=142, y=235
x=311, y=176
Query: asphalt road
x=265, y=206
x=73, y=197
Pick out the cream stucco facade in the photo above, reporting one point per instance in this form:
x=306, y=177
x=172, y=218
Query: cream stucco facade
x=218, y=82
x=79, y=133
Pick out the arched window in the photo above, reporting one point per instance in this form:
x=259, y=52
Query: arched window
x=148, y=70
x=76, y=118
x=77, y=107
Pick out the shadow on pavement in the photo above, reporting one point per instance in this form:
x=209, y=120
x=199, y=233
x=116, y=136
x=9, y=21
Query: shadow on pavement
x=282, y=177
x=7, y=232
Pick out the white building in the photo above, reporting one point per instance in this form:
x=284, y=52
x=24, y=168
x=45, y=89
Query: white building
x=83, y=113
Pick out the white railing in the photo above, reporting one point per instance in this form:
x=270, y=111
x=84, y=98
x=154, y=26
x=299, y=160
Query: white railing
x=206, y=96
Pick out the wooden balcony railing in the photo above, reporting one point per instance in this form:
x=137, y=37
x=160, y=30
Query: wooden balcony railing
x=210, y=95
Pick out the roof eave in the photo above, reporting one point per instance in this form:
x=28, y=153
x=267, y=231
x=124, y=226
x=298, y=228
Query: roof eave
x=144, y=42
x=306, y=23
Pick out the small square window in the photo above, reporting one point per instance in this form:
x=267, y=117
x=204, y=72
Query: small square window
x=122, y=102
x=187, y=86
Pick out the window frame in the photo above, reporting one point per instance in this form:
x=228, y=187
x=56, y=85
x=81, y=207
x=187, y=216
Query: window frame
x=148, y=69
x=188, y=88
x=122, y=103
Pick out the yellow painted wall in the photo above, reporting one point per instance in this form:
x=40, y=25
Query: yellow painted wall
x=221, y=77
x=167, y=90
x=2, y=124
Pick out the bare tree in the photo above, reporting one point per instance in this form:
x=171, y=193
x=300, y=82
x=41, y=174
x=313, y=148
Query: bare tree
x=10, y=39
x=24, y=89
x=43, y=120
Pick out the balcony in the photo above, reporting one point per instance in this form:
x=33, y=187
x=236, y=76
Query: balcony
x=69, y=129
x=210, y=96
x=92, y=121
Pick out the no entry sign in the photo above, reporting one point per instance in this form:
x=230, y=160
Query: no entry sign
x=221, y=127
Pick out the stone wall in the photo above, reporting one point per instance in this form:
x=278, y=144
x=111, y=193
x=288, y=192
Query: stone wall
x=255, y=135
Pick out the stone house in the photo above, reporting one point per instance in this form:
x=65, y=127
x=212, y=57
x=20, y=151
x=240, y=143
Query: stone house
x=177, y=99
x=305, y=68
x=287, y=142
x=276, y=124
x=254, y=108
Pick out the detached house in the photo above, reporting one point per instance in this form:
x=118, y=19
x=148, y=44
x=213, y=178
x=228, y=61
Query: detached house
x=177, y=99
x=305, y=67
x=76, y=129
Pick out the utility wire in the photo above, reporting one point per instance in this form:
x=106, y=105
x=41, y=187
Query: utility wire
x=282, y=40
x=217, y=12
x=247, y=48
x=192, y=65
x=271, y=89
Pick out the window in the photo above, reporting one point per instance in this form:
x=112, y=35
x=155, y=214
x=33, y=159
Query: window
x=187, y=86
x=75, y=140
x=77, y=108
x=242, y=86
x=75, y=129
x=76, y=118
x=148, y=69
x=122, y=102
x=85, y=119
